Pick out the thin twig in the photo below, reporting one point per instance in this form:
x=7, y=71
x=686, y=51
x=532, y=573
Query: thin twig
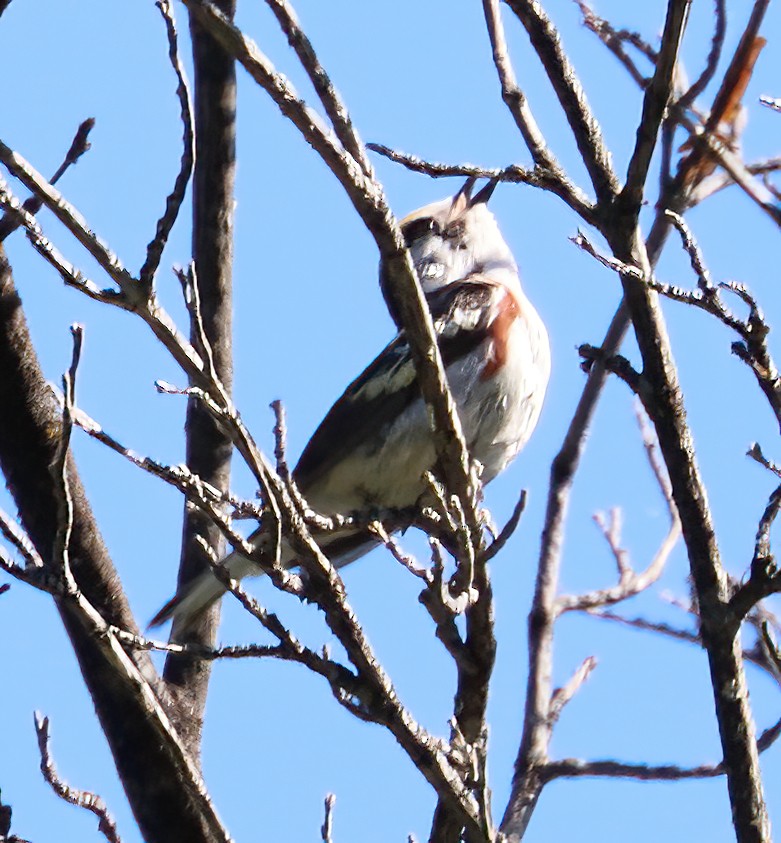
x=59, y=470
x=80, y=144
x=655, y=99
x=327, y=827
x=509, y=528
x=712, y=61
x=561, y=696
x=631, y=582
x=547, y=167
x=330, y=98
x=13, y=533
x=771, y=102
x=174, y=201
x=566, y=84
x=81, y=798
x=615, y=40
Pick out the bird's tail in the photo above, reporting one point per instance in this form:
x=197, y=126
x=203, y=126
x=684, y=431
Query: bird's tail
x=342, y=547
x=196, y=596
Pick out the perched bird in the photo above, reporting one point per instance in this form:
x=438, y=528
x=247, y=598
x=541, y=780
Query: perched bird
x=375, y=444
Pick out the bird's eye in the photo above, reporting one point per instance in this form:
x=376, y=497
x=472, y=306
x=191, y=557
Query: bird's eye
x=455, y=231
x=415, y=229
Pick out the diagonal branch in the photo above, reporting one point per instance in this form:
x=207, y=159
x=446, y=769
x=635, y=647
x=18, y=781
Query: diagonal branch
x=81, y=798
x=174, y=201
x=332, y=103
x=712, y=61
x=79, y=145
x=585, y=129
x=657, y=96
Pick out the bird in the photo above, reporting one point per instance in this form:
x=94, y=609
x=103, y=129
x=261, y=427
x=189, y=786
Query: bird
x=375, y=445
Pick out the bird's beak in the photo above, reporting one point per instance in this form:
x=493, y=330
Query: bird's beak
x=484, y=194
x=463, y=199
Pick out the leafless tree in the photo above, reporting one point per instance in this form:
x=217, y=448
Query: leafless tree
x=153, y=722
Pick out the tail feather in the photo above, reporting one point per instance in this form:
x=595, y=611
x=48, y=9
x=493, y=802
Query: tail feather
x=198, y=594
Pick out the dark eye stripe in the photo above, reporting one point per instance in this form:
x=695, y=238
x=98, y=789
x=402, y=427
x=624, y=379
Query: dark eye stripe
x=415, y=229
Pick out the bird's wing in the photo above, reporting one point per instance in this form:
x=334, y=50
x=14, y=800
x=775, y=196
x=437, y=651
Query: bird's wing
x=462, y=315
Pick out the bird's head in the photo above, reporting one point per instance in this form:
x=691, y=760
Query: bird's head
x=456, y=237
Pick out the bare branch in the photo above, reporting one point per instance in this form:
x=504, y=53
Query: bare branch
x=392, y=546
x=631, y=582
x=327, y=826
x=509, y=528
x=764, y=578
x=368, y=199
x=585, y=128
x=712, y=62
x=71, y=219
x=561, y=696
x=173, y=204
x=131, y=295
x=704, y=280
x=59, y=471
x=771, y=102
x=78, y=147
x=21, y=542
x=657, y=95
x=622, y=268
x=575, y=768
x=330, y=98
x=616, y=39
x=69, y=274
x=548, y=171
x=81, y=798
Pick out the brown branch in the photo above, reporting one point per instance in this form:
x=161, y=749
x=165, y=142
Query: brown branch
x=738, y=172
x=549, y=180
x=70, y=275
x=326, y=829
x=657, y=95
x=80, y=144
x=326, y=586
x=509, y=528
x=616, y=39
x=130, y=295
x=721, y=180
x=332, y=103
x=584, y=126
x=154, y=251
x=548, y=171
x=753, y=331
x=630, y=582
x=208, y=447
x=562, y=696
x=719, y=638
x=712, y=61
x=623, y=238
x=532, y=752
x=577, y=768
x=764, y=578
x=81, y=798
x=164, y=790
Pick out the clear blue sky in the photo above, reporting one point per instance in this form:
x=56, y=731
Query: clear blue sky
x=419, y=77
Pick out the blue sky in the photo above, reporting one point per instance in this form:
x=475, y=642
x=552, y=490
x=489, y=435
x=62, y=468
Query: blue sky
x=308, y=316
